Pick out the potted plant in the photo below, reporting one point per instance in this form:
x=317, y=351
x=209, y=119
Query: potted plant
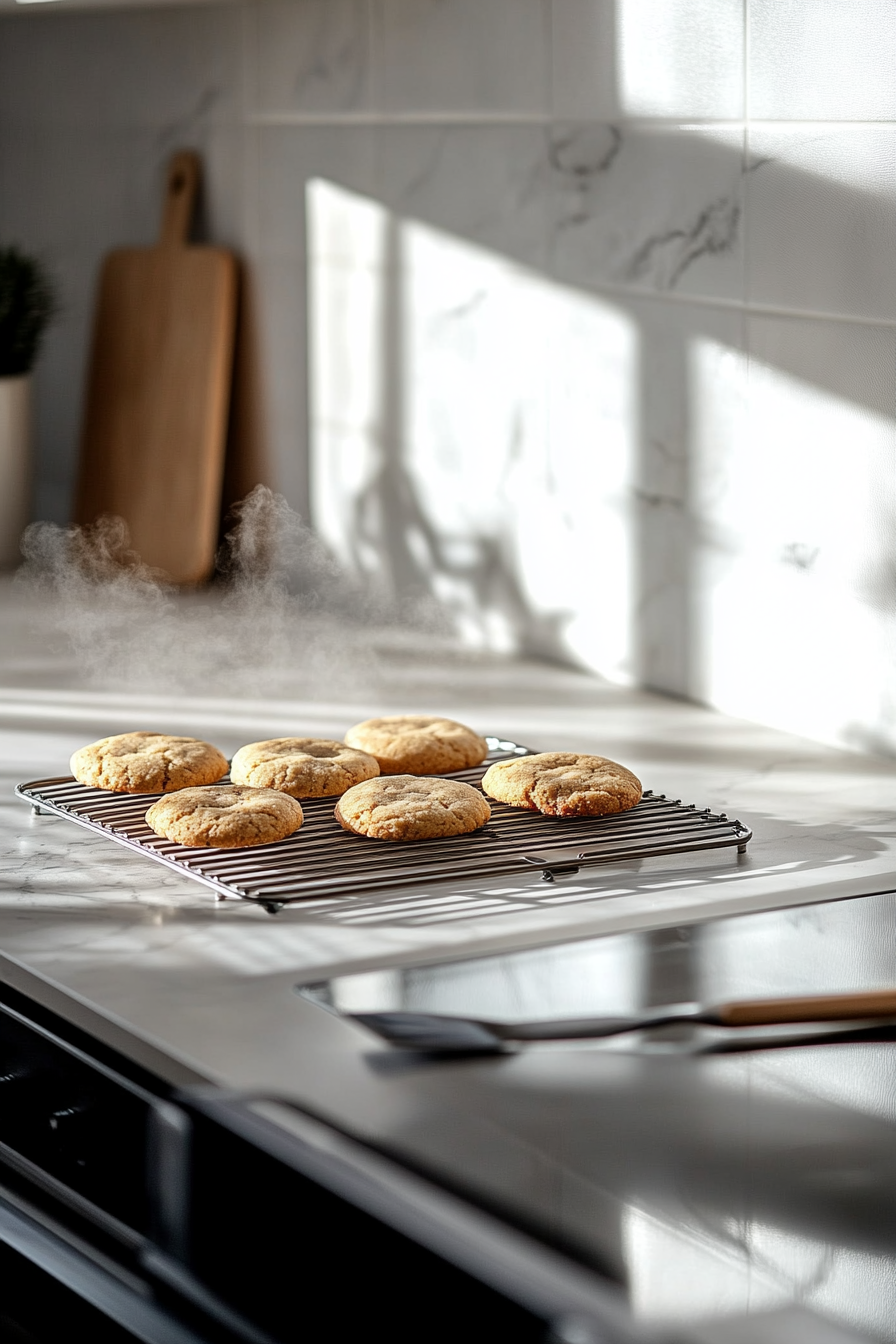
x=27, y=303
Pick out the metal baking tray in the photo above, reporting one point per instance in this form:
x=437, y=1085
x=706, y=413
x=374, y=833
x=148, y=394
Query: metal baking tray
x=323, y=860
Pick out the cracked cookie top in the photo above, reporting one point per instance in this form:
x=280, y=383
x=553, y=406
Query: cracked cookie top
x=147, y=763
x=563, y=784
x=418, y=744
x=226, y=816
x=406, y=807
x=303, y=767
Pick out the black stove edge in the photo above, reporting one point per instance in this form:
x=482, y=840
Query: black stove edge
x=126, y=1303
x=169, y=1304
x=578, y=1305
x=151, y=1286
x=509, y=1261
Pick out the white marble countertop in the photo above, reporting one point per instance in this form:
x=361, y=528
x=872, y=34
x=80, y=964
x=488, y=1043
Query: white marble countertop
x=129, y=944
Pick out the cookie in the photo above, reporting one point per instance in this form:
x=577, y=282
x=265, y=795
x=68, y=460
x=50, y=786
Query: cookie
x=225, y=816
x=418, y=744
x=405, y=807
x=303, y=767
x=147, y=763
x=563, y=784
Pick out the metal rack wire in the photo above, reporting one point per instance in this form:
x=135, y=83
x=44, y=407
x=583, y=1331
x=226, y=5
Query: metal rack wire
x=322, y=862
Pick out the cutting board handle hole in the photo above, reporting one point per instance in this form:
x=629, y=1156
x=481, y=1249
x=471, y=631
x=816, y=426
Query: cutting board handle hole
x=181, y=188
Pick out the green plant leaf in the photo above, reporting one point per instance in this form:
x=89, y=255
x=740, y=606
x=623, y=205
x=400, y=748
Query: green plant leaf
x=28, y=303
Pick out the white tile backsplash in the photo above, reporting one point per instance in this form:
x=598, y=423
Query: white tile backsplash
x=139, y=68
x=73, y=191
x=280, y=297
x=667, y=526
x=481, y=473
x=312, y=57
x=481, y=183
x=822, y=60
x=59, y=381
x=577, y=550
x=289, y=167
x=561, y=328
x=345, y=322
x=680, y=58
x=466, y=56
x=821, y=219
x=647, y=208
x=288, y=160
x=344, y=228
x=667, y=59
x=584, y=78
x=797, y=507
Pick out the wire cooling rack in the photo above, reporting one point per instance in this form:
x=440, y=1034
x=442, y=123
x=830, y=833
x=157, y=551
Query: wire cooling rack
x=322, y=865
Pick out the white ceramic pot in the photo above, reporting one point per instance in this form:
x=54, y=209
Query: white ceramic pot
x=15, y=466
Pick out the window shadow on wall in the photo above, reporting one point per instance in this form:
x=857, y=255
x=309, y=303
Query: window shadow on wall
x=679, y=274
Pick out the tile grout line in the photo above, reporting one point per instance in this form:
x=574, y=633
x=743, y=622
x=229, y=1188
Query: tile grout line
x=335, y=119
x=746, y=176
x=374, y=57
x=288, y=117
x=734, y=305
x=548, y=41
x=250, y=212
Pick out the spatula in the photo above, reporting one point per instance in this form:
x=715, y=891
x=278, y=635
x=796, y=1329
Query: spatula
x=433, y=1033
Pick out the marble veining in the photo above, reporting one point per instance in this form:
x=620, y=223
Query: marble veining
x=667, y=256
x=312, y=58
x=613, y=221
x=578, y=156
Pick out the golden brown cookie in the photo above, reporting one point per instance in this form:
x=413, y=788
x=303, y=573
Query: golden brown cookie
x=303, y=767
x=147, y=763
x=225, y=816
x=418, y=744
x=563, y=784
x=405, y=807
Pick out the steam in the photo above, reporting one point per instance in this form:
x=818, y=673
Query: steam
x=280, y=619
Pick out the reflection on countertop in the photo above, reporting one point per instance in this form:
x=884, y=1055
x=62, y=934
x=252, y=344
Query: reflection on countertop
x=707, y=1183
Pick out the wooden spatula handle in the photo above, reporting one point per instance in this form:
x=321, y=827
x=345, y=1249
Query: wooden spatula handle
x=821, y=1008
x=181, y=186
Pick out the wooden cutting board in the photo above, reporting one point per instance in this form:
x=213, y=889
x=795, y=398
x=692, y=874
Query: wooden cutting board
x=158, y=389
